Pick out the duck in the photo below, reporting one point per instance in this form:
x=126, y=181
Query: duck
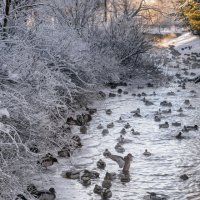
x=154, y=196
x=193, y=92
x=179, y=136
x=121, y=139
x=83, y=130
x=106, y=194
x=165, y=103
x=106, y=153
x=159, y=112
x=144, y=94
x=150, y=85
x=91, y=110
x=136, y=111
x=102, y=94
x=101, y=164
x=190, y=128
x=108, y=111
x=112, y=95
x=184, y=177
x=97, y=189
x=106, y=183
x=146, y=153
x=118, y=159
x=123, y=131
x=171, y=93
x=119, y=91
x=125, y=177
x=46, y=194
x=72, y=174
x=105, y=132
x=76, y=138
x=110, y=125
x=31, y=188
x=148, y=103
x=176, y=124
x=85, y=180
x=119, y=148
x=125, y=92
x=165, y=125
x=91, y=174
x=127, y=163
x=190, y=107
x=157, y=119
x=134, y=95
x=21, y=197
x=127, y=126
x=187, y=102
x=134, y=132
x=180, y=109
x=166, y=111
x=47, y=161
x=140, y=87
x=64, y=152
x=111, y=176
x=137, y=115
x=100, y=126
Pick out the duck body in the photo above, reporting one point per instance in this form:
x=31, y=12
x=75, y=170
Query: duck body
x=109, y=112
x=47, y=161
x=123, y=131
x=148, y=103
x=97, y=189
x=105, y=132
x=119, y=148
x=166, y=111
x=179, y=136
x=101, y=164
x=106, y=194
x=75, y=174
x=127, y=126
x=157, y=119
x=136, y=111
x=127, y=163
x=110, y=125
x=165, y=103
x=134, y=132
x=146, y=153
x=165, y=125
x=190, y=128
x=106, y=184
x=106, y=153
x=137, y=115
x=100, y=126
x=112, y=95
x=47, y=194
x=184, y=177
x=83, y=129
x=110, y=176
x=176, y=124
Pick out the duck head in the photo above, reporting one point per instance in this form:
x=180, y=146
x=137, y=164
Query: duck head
x=52, y=190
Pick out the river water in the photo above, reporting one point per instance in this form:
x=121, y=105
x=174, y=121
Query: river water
x=170, y=157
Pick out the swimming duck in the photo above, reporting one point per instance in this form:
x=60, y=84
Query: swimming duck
x=136, y=111
x=146, y=153
x=112, y=95
x=190, y=107
x=110, y=176
x=187, y=102
x=190, y=128
x=127, y=126
x=144, y=94
x=150, y=85
x=166, y=111
x=157, y=119
x=154, y=196
x=47, y=161
x=46, y=194
x=106, y=183
x=140, y=87
x=184, y=177
x=137, y=115
x=83, y=129
x=133, y=94
x=72, y=174
x=121, y=139
x=179, y=136
x=176, y=124
x=193, y=92
x=97, y=189
x=134, y=132
x=85, y=180
x=118, y=159
x=106, y=194
x=139, y=95
x=119, y=148
x=123, y=131
x=104, y=132
x=125, y=178
x=125, y=92
x=91, y=174
x=165, y=103
x=119, y=91
x=127, y=163
x=165, y=125
x=106, y=153
x=148, y=103
x=100, y=126
x=171, y=93
x=102, y=94
x=180, y=109
x=110, y=125
x=109, y=112
x=101, y=164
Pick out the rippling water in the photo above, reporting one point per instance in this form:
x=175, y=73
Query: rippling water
x=158, y=173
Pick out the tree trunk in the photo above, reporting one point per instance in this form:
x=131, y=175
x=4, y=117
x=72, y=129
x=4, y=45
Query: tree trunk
x=105, y=10
x=5, y=21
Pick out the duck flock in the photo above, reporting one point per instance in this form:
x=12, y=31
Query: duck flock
x=99, y=179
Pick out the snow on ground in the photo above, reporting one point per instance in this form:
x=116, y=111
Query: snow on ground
x=186, y=40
